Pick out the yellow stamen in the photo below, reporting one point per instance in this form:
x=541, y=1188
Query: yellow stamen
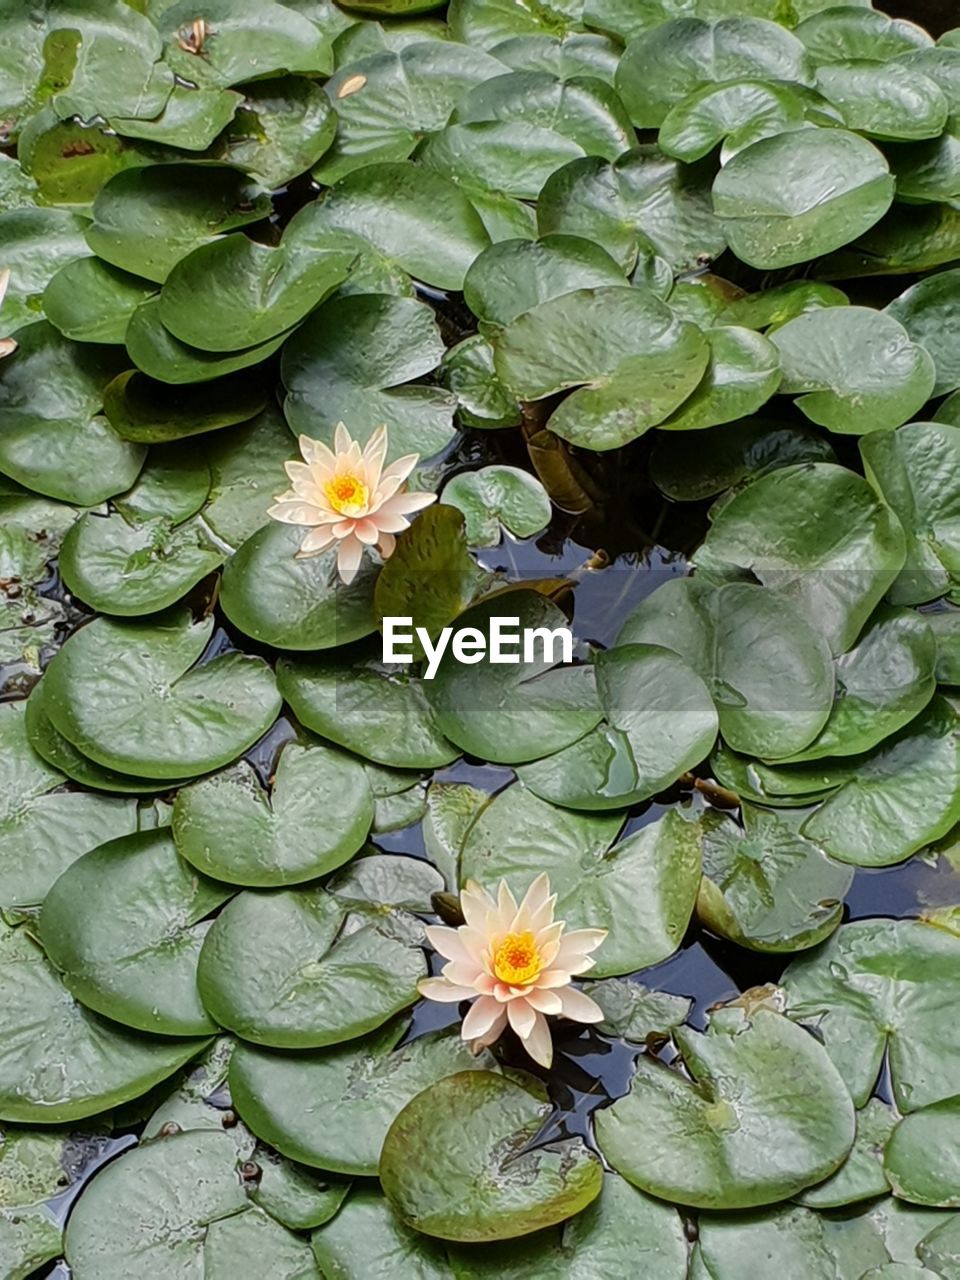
x=517, y=959
x=347, y=494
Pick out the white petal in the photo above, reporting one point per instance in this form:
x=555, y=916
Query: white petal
x=544, y=1001
x=386, y=545
x=463, y=973
x=317, y=540
x=341, y=438
x=577, y=944
x=538, y=1043
x=481, y=1016
x=579, y=1007
x=315, y=451
x=448, y=943
x=400, y=469
x=494, y=1033
x=522, y=1017
x=537, y=894
x=390, y=523
x=442, y=991
x=551, y=978
x=402, y=504
x=349, y=555
x=4, y=281
x=295, y=511
x=367, y=532
x=477, y=906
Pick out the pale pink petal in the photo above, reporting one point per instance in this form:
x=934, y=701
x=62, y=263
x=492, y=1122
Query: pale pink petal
x=344, y=528
x=538, y=1043
x=504, y=992
x=449, y=943
x=296, y=511
x=300, y=476
x=402, y=504
x=374, y=453
x=317, y=540
x=551, y=978
x=579, y=1007
x=477, y=906
x=386, y=488
x=537, y=894
x=474, y=941
x=442, y=991
x=4, y=281
x=484, y=984
x=391, y=523
x=521, y=1017
x=494, y=1033
x=315, y=451
x=349, y=555
x=341, y=438
x=7, y=346
x=463, y=973
x=367, y=532
x=506, y=908
x=548, y=954
x=386, y=545
x=481, y=1016
x=544, y=1001
x=574, y=946
x=400, y=469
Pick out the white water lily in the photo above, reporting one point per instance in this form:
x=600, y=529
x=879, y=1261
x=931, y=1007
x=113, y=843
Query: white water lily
x=516, y=963
x=347, y=498
x=7, y=345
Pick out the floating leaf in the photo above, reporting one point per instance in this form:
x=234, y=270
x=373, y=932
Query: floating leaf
x=189, y=719
x=861, y=1175
x=309, y=1107
x=281, y=127
x=367, y=1241
x=925, y=310
x=921, y=1156
x=704, y=118
x=248, y=40
x=946, y=632
x=477, y=1121
x=774, y=307
x=158, y=354
x=246, y=470
x=319, y=982
x=883, y=986
x=859, y=33
x=315, y=817
x=743, y=373
x=148, y=412
x=467, y=371
x=190, y=120
x=634, y=1012
x=124, y=925
x=37, y=243
x=496, y=498
x=729, y=1137
x=90, y=301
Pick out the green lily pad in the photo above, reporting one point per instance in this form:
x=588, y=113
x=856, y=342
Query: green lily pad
x=659, y=721
x=620, y=1229
x=60, y=1062
x=765, y=887
x=856, y=370
x=190, y=120
x=885, y=99
x=467, y=371
x=331, y=1108
x=903, y=796
x=44, y=829
x=418, y=219
x=146, y=219
x=131, y=568
x=915, y=470
x=930, y=170
x=514, y=276
x=124, y=925
x=376, y=710
x=634, y=1012
x=729, y=1137
x=388, y=100
x=315, y=817
x=190, y=719
x=774, y=307
x=798, y=195
x=325, y=977
x=910, y=238
x=861, y=1176
x=148, y=412
x=631, y=361
x=946, y=633
x=71, y=161
x=884, y=681
x=743, y=373
x=37, y=243
x=476, y=1121
x=702, y=119
x=245, y=40
x=578, y=53
x=641, y=890
x=367, y=1241
x=816, y=535
x=512, y=713
x=487, y=22
x=281, y=128
x=51, y=392
x=295, y=604
x=451, y=810
x=497, y=498
x=925, y=310
x=883, y=987
x=920, y=1160
x=665, y=64
x=384, y=882
x=769, y=673
x=836, y=36
x=90, y=301
x=347, y=364
x=177, y=1205
x=174, y=484
x=246, y=470
x=161, y=356
x=235, y=293
x=730, y=456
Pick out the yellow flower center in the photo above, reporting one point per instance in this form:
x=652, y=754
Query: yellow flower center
x=347, y=494
x=517, y=959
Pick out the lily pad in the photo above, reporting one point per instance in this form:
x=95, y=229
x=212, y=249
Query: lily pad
x=347, y=364
x=331, y=1108
x=832, y=36
x=235, y=293
x=467, y=371
x=124, y=925
x=774, y=307
x=177, y=1204
x=51, y=392
x=161, y=356
x=946, y=632
x=244, y=40
x=631, y=361
x=60, y=1062
x=315, y=817
x=325, y=977
x=246, y=470
x=480, y=1121
x=90, y=301
x=765, y=886
x=916, y=471
x=885, y=99
x=295, y=604
x=903, y=796
x=882, y=987
x=861, y=1176
x=513, y=713
x=367, y=1241
x=146, y=219
x=642, y=890
x=496, y=498
x=148, y=412
x=37, y=243
x=42, y=828
x=634, y=1012
x=703, y=119
x=190, y=120
x=816, y=535
x=281, y=127
x=743, y=373
x=189, y=718
x=729, y=1137
x=925, y=310
x=798, y=195
x=920, y=1160
x=856, y=370
x=378, y=711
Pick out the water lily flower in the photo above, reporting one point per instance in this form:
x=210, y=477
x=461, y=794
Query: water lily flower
x=515, y=963
x=7, y=345
x=348, y=498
